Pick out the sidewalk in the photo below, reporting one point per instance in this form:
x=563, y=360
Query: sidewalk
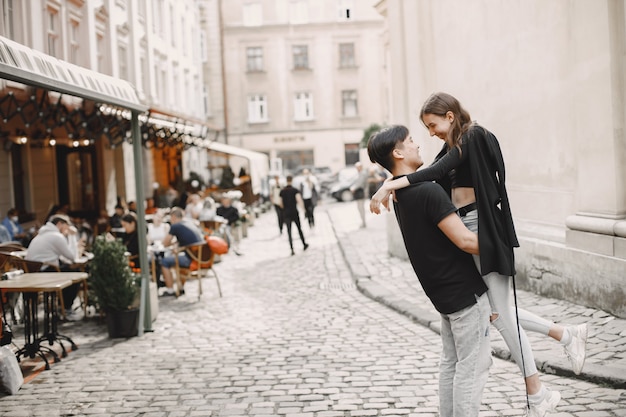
x=392, y=282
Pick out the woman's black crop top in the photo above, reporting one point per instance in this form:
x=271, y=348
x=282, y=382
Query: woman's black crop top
x=455, y=164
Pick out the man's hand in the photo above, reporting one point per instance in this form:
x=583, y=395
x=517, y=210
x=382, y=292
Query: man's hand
x=380, y=197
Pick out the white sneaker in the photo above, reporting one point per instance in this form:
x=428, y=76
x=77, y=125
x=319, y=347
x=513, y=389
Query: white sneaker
x=71, y=315
x=576, y=350
x=548, y=404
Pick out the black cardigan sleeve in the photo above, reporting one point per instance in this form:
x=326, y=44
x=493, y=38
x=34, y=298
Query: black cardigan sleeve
x=440, y=168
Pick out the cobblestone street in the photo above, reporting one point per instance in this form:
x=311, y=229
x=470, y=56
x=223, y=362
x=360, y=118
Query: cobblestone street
x=292, y=336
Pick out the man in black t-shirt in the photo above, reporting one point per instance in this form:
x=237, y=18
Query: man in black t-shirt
x=439, y=247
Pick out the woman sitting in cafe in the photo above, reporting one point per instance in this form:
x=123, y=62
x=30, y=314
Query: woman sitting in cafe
x=131, y=239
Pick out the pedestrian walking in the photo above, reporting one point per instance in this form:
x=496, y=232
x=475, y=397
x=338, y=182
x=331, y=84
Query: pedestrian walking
x=439, y=247
x=358, y=189
x=309, y=188
x=275, y=188
x=465, y=166
x=290, y=199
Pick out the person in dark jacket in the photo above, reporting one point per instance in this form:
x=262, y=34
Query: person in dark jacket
x=290, y=199
x=471, y=167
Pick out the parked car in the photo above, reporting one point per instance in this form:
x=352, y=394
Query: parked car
x=340, y=187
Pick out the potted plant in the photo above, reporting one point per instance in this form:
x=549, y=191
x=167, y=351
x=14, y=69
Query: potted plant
x=114, y=287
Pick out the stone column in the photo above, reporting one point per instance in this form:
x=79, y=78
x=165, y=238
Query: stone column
x=599, y=225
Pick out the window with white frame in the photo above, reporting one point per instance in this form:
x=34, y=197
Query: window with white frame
x=74, y=41
x=254, y=58
x=100, y=50
x=122, y=56
x=346, y=55
x=298, y=12
x=203, y=47
x=173, y=33
x=303, y=107
x=257, y=108
x=53, y=32
x=141, y=8
x=300, y=56
x=8, y=17
x=252, y=14
x=205, y=101
x=345, y=9
x=157, y=16
x=349, y=103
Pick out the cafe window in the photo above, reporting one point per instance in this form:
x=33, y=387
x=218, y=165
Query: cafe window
x=346, y=55
x=254, y=57
x=349, y=103
x=257, y=108
x=300, y=56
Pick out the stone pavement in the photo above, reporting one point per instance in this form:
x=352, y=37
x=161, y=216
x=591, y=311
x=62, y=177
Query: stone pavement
x=291, y=337
x=391, y=281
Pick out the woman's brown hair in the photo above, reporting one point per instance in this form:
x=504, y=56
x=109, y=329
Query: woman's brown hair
x=442, y=103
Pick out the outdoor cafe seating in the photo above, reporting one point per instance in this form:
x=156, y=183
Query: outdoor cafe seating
x=202, y=260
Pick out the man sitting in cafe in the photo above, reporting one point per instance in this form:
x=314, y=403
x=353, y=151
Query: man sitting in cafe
x=51, y=245
x=185, y=232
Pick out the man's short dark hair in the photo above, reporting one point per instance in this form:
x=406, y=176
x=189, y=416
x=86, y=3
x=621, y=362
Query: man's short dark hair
x=382, y=143
x=177, y=212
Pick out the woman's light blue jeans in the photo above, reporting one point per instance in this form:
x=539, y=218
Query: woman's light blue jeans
x=465, y=359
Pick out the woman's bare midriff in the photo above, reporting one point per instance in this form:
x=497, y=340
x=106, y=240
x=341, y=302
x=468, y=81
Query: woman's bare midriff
x=462, y=196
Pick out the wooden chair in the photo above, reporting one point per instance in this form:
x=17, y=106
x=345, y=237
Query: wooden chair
x=202, y=259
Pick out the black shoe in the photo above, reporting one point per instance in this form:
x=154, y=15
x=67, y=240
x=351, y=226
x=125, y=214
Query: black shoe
x=306, y=246
x=292, y=253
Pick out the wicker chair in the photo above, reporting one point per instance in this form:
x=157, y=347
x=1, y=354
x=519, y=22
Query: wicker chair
x=202, y=259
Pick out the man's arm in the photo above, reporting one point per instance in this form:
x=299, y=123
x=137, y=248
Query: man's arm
x=452, y=226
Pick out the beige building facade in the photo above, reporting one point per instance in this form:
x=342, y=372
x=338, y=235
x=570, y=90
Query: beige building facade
x=548, y=79
x=302, y=79
x=151, y=45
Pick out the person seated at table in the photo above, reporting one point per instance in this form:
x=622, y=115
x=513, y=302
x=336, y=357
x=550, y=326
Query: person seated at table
x=12, y=224
x=131, y=237
x=157, y=232
x=102, y=223
x=194, y=206
x=151, y=208
x=51, y=245
x=115, y=221
x=186, y=233
x=231, y=214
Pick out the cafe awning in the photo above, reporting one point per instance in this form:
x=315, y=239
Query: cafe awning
x=27, y=66
x=33, y=68
x=259, y=162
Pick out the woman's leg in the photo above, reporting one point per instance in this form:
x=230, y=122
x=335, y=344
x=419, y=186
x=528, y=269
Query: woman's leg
x=573, y=338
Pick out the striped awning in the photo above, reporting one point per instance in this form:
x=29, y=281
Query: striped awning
x=27, y=66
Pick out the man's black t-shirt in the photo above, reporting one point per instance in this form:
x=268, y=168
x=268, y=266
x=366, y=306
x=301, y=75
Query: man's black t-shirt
x=290, y=206
x=447, y=274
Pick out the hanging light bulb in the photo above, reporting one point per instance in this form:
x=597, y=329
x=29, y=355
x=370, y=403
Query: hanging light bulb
x=52, y=142
x=75, y=144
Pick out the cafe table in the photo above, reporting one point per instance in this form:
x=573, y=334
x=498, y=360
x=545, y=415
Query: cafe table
x=50, y=284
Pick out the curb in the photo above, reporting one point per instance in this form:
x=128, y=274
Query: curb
x=613, y=376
